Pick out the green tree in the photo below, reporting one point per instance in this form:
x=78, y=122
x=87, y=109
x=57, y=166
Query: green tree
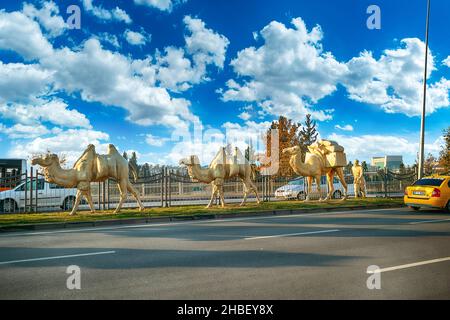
x=365, y=166
x=402, y=168
x=125, y=155
x=133, y=162
x=307, y=134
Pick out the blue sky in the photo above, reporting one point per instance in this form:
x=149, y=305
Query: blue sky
x=148, y=74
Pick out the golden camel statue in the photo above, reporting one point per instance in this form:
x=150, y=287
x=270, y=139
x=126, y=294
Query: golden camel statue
x=90, y=167
x=223, y=167
x=317, y=164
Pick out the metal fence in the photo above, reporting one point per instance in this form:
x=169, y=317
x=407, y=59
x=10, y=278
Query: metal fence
x=28, y=192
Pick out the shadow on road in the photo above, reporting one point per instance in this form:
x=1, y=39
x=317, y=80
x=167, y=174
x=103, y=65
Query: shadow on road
x=139, y=258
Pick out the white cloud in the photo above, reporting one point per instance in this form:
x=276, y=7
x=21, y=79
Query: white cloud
x=115, y=80
x=205, y=144
x=394, y=81
x=163, y=5
x=446, y=61
x=244, y=116
x=175, y=70
x=288, y=73
x=205, y=45
x=365, y=147
x=54, y=111
x=111, y=39
x=179, y=69
x=20, y=131
x=70, y=143
x=23, y=35
x=22, y=82
x=136, y=38
x=48, y=16
x=116, y=14
x=154, y=140
x=347, y=127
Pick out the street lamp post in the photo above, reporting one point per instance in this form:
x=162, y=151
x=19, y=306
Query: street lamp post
x=422, y=122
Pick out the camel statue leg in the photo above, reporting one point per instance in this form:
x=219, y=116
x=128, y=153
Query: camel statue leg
x=330, y=177
x=123, y=194
x=135, y=194
x=77, y=202
x=213, y=194
x=319, y=189
x=310, y=181
x=255, y=190
x=246, y=190
x=221, y=195
x=340, y=173
x=88, y=196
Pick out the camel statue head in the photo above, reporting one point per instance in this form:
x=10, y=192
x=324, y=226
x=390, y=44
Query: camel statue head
x=45, y=160
x=190, y=161
x=292, y=151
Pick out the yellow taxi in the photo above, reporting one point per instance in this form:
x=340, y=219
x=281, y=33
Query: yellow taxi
x=429, y=192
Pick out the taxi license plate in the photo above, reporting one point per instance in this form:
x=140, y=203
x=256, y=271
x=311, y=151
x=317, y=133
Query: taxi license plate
x=419, y=193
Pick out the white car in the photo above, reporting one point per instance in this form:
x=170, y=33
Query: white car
x=48, y=195
x=296, y=189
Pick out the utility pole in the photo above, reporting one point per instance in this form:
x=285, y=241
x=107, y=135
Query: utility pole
x=422, y=122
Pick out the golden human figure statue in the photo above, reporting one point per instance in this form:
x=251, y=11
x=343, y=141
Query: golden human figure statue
x=358, y=179
x=90, y=167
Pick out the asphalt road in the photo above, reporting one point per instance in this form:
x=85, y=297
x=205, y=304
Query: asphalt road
x=307, y=256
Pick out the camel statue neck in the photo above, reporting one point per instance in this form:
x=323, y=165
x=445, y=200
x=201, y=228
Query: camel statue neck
x=297, y=164
x=200, y=174
x=60, y=176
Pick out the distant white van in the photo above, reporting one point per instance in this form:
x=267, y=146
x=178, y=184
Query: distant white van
x=296, y=189
x=49, y=195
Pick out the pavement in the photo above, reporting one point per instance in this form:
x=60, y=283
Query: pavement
x=321, y=255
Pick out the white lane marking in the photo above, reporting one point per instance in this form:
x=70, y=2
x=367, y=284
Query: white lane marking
x=429, y=221
x=151, y=225
x=57, y=257
x=291, y=234
x=410, y=265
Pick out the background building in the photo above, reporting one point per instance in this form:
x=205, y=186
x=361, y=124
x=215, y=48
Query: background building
x=390, y=162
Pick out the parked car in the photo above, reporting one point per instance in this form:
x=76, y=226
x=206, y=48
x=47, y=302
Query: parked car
x=429, y=192
x=296, y=189
x=48, y=194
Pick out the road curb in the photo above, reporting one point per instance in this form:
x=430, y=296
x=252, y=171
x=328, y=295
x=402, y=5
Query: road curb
x=207, y=216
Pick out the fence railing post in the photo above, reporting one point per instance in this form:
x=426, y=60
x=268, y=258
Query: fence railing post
x=162, y=186
x=385, y=182
x=170, y=187
x=25, y=203
x=31, y=189
x=37, y=192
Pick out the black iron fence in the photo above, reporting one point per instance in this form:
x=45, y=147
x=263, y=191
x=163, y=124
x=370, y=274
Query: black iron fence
x=29, y=192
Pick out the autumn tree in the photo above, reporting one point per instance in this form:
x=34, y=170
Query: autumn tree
x=288, y=137
x=429, y=164
x=444, y=155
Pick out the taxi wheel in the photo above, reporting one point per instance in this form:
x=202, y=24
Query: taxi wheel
x=415, y=208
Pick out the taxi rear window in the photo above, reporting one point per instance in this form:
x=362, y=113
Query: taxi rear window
x=434, y=182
